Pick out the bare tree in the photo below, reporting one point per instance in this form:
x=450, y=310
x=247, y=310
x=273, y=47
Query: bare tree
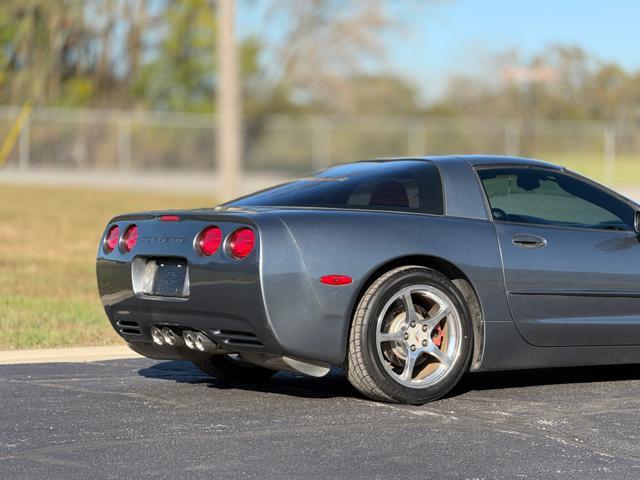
x=324, y=41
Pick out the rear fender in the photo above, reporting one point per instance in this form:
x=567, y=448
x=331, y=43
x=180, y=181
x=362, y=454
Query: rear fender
x=357, y=244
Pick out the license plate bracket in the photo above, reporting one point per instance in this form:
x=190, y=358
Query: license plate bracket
x=166, y=277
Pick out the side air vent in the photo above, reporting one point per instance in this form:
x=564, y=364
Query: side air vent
x=236, y=338
x=128, y=327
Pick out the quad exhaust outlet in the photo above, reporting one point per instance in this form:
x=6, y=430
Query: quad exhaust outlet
x=195, y=341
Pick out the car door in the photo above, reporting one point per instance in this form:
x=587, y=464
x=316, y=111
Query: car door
x=570, y=255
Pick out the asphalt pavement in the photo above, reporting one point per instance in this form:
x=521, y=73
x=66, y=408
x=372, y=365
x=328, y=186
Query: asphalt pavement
x=139, y=418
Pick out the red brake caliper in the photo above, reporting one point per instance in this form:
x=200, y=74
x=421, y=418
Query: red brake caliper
x=438, y=335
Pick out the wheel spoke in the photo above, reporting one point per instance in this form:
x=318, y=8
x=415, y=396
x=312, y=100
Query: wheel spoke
x=409, y=365
x=410, y=309
x=391, y=337
x=434, y=320
x=438, y=354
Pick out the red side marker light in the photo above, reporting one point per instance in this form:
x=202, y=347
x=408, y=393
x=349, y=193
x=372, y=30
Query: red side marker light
x=169, y=218
x=336, y=280
x=209, y=240
x=111, y=240
x=129, y=239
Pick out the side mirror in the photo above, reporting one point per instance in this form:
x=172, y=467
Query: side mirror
x=636, y=221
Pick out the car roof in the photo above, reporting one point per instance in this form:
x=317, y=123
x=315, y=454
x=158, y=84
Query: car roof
x=480, y=160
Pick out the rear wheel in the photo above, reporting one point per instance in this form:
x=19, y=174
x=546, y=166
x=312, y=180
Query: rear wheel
x=411, y=337
x=232, y=367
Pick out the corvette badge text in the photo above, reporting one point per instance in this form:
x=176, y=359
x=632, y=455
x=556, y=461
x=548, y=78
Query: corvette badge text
x=171, y=240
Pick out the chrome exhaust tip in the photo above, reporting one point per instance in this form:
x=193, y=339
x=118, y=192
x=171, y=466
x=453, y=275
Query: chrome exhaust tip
x=189, y=340
x=169, y=337
x=199, y=342
x=203, y=343
x=157, y=336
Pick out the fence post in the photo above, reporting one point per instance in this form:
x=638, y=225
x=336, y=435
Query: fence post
x=320, y=143
x=416, y=144
x=23, y=146
x=124, y=141
x=511, y=138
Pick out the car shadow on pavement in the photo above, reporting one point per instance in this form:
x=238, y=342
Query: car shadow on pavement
x=335, y=383
x=549, y=376
x=332, y=385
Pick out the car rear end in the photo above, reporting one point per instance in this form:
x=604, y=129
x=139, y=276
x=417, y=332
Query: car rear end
x=161, y=275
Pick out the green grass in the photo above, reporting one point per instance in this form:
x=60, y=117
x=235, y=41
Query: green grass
x=48, y=241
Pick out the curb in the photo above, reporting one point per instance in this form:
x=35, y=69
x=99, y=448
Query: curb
x=67, y=355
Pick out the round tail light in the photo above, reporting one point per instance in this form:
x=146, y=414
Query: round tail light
x=129, y=239
x=208, y=241
x=241, y=242
x=111, y=239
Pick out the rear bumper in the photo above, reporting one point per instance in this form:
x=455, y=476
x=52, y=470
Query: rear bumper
x=236, y=334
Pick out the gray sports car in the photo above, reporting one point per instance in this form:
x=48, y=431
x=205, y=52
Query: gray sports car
x=407, y=272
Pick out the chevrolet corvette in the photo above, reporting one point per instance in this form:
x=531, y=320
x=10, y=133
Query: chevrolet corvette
x=406, y=272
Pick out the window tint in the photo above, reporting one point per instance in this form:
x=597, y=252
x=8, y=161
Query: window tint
x=405, y=185
x=530, y=195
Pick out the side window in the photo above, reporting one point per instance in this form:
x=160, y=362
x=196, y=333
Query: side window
x=546, y=197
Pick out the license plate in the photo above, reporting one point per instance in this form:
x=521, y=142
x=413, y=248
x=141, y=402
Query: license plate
x=166, y=277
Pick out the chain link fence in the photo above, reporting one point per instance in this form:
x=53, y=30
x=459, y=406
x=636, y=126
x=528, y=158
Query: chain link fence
x=130, y=141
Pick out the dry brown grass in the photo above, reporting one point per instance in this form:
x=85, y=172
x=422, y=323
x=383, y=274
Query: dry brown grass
x=48, y=241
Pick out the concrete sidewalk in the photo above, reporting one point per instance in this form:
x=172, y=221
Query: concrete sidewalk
x=67, y=355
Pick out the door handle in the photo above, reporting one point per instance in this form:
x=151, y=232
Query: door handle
x=529, y=241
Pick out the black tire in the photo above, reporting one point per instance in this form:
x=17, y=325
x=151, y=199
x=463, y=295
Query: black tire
x=364, y=368
x=224, y=367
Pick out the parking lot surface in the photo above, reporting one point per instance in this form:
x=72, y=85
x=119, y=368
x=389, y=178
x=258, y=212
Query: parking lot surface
x=146, y=419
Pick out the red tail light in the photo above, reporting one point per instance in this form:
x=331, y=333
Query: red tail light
x=208, y=241
x=129, y=239
x=241, y=242
x=111, y=239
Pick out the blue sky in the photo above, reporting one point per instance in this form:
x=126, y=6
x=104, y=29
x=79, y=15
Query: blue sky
x=442, y=38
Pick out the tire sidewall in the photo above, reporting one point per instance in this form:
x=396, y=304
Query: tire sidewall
x=390, y=287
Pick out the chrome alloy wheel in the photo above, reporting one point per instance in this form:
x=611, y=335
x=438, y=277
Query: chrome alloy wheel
x=418, y=336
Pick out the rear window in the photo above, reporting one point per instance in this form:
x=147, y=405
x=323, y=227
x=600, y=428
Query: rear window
x=405, y=185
